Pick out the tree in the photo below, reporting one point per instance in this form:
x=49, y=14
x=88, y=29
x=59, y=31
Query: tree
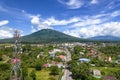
x=54, y=70
x=33, y=75
x=1, y=58
x=25, y=73
x=80, y=70
x=117, y=74
x=4, y=66
x=77, y=49
x=38, y=65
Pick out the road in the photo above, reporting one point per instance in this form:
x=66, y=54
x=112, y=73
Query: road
x=67, y=73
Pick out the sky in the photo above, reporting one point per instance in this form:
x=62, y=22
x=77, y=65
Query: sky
x=79, y=18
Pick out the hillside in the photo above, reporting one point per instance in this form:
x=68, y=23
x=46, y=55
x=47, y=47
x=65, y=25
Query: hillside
x=45, y=36
x=48, y=35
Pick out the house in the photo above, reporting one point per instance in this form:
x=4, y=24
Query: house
x=62, y=57
x=81, y=53
x=51, y=53
x=96, y=73
x=108, y=59
x=60, y=65
x=57, y=50
x=53, y=63
x=109, y=78
x=45, y=65
x=84, y=60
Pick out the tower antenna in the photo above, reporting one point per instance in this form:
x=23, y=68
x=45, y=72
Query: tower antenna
x=16, y=70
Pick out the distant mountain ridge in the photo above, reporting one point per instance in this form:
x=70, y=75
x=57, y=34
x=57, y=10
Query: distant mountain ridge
x=107, y=38
x=53, y=36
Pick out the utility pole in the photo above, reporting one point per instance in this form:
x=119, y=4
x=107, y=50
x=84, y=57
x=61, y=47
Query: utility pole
x=16, y=70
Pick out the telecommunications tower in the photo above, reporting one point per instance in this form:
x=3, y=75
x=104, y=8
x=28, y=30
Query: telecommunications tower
x=16, y=70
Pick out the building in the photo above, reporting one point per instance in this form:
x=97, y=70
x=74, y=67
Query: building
x=108, y=59
x=96, y=73
x=109, y=78
x=62, y=57
x=84, y=60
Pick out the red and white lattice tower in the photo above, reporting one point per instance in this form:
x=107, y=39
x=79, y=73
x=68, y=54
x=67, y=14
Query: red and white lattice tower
x=16, y=71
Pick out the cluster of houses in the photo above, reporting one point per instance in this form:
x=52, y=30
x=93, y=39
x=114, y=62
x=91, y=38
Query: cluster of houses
x=93, y=53
x=53, y=63
x=52, y=54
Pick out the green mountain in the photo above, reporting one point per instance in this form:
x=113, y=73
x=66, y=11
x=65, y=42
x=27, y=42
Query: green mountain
x=45, y=36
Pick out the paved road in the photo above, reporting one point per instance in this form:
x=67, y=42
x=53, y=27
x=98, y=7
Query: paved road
x=67, y=73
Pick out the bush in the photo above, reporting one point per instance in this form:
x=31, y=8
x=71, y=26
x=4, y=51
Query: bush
x=4, y=66
x=54, y=70
x=1, y=58
x=33, y=75
x=38, y=66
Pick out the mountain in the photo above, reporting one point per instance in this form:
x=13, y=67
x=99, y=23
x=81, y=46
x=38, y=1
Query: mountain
x=45, y=36
x=105, y=38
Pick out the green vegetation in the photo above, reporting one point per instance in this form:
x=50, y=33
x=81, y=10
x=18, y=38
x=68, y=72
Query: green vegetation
x=45, y=36
x=33, y=75
x=32, y=65
x=54, y=70
x=103, y=59
x=34, y=57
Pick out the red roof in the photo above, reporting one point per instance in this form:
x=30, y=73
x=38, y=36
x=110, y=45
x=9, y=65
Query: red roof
x=15, y=61
x=62, y=56
x=109, y=78
x=45, y=65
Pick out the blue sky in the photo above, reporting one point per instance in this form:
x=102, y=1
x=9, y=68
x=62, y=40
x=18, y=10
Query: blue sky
x=79, y=18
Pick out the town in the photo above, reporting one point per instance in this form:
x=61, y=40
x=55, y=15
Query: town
x=65, y=61
x=59, y=39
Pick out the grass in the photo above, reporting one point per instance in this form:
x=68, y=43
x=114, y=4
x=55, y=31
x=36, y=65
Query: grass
x=107, y=70
x=43, y=74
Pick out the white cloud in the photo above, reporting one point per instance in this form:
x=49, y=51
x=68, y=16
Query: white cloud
x=87, y=22
x=39, y=23
x=4, y=22
x=109, y=28
x=94, y=1
x=72, y=4
x=52, y=21
x=49, y=22
x=72, y=33
x=33, y=29
x=6, y=32
x=115, y=13
x=35, y=20
x=83, y=26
